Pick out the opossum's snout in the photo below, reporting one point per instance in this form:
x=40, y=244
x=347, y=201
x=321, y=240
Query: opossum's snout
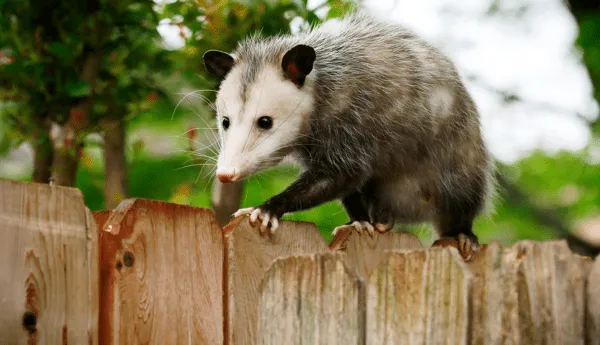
x=228, y=175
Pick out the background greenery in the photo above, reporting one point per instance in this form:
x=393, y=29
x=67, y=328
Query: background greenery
x=70, y=70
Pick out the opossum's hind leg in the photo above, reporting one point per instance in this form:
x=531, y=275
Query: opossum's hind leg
x=357, y=208
x=458, y=203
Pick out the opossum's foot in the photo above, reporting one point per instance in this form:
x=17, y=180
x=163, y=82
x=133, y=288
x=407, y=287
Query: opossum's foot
x=358, y=226
x=267, y=220
x=382, y=228
x=468, y=245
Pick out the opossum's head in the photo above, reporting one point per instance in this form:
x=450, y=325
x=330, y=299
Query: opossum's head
x=263, y=106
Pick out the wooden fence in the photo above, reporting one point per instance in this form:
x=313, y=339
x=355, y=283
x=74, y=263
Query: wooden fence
x=151, y=272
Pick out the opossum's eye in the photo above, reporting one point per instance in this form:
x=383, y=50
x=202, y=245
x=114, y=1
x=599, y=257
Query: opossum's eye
x=265, y=122
x=225, y=122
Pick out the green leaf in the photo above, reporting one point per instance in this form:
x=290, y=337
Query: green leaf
x=78, y=88
x=61, y=50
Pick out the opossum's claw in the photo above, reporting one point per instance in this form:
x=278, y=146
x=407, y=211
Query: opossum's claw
x=243, y=211
x=264, y=218
x=360, y=226
x=256, y=214
x=341, y=227
x=467, y=246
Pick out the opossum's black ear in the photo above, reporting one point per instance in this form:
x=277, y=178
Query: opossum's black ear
x=298, y=62
x=218, y=63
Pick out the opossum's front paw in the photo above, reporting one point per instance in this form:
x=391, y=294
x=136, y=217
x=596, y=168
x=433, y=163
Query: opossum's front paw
x=267, y=220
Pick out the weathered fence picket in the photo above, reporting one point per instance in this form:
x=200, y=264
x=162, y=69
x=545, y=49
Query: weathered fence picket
x=312, y=299
x=161, y=275
x=248, y=256
x=48, y=266
x=550, y=291
x=419, y=297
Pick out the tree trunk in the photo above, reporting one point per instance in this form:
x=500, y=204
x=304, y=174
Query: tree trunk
x=226, y=198
x=115, y=163
x=42, y=159
x=67, y=138
x=65, y=162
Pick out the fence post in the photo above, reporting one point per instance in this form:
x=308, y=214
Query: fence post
x=248, y=256
x=419, y=297
x=161, y=275
x=311, y=300
x=49, y=271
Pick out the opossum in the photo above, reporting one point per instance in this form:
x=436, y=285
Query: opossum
x=376, y=116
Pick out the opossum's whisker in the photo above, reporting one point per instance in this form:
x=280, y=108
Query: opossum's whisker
x=185, y=96
x=192, y=165
x=205, y=99
x=215, y=136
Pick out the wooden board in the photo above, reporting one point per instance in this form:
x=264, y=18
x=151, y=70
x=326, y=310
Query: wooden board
x=494, y=281
x=161, y=275
x=248, y=257
x=364, y=252
x=593, y=304
x=551, y=294
x=311, y=300
x=49, y=270
x=419, y=297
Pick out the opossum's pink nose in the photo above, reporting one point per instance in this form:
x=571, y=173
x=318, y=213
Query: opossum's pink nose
x=227, y=175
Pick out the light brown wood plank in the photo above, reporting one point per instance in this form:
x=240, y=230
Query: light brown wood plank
x=419, y=297
x=248, y=257
x=593, y=304
x=494, y=283
x=161, y=275
x=365, y=252
x=550, y=290
x=48, y=275
x=311, y=300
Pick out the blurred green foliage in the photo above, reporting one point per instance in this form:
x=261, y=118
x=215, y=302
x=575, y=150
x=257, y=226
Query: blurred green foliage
x=44, y=45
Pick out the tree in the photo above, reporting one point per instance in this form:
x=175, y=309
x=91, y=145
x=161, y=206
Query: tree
x=73, y=68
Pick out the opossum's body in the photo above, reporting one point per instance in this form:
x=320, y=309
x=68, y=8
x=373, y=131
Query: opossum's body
x=380, y=120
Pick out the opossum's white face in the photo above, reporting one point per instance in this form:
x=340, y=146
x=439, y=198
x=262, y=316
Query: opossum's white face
x=260, y=121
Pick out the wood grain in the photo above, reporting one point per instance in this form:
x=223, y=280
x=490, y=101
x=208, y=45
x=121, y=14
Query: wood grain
x=365, y=252
x=550, y=290
x=593, y=304
x=161, y=274
x=311, y=300
x=419, y=297
x=248, y=257
x=49, y=270
x=494, y=283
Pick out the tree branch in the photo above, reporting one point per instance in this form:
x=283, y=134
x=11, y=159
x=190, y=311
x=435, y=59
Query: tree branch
x=547, y=217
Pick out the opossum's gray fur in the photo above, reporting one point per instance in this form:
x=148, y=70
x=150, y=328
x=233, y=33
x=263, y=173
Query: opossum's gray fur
x=382, y=118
